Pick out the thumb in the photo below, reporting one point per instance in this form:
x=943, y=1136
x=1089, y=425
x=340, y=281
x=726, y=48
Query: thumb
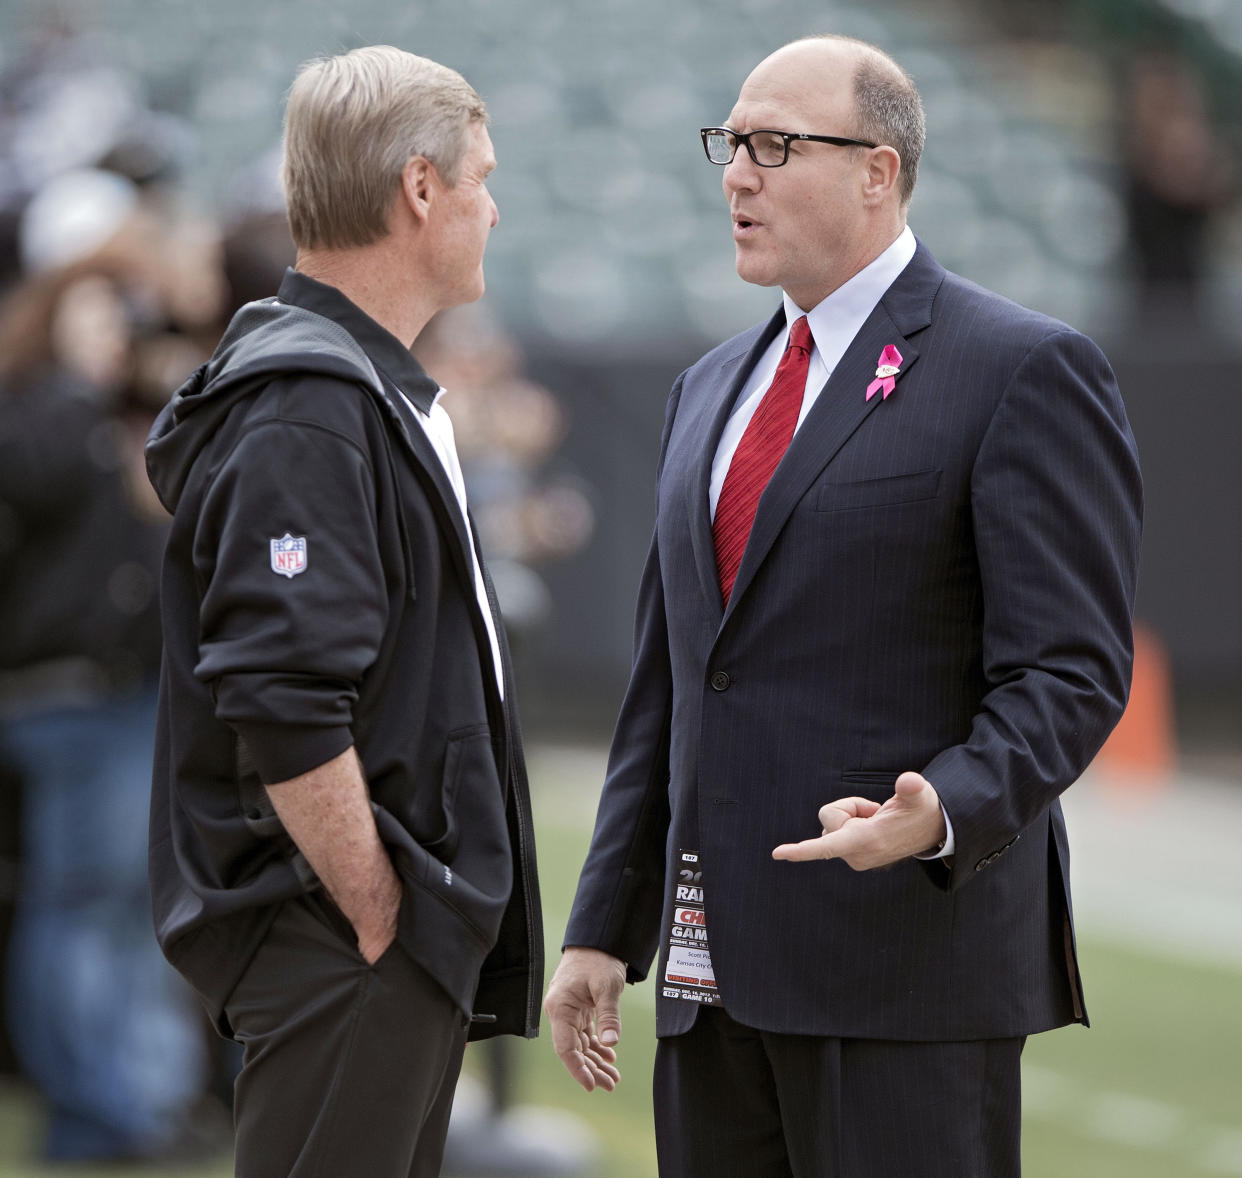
x=608, y=1020
x=909, y=785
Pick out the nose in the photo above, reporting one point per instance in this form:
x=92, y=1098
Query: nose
x=741, y=174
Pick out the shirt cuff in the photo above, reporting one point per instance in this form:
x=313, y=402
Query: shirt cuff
x=949, y=843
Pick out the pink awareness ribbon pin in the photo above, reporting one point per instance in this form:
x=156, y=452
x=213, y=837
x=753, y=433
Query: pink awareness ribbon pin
x=886, y=373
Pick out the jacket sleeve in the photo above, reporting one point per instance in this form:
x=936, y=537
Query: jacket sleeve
x=285, y=642
x=620, y=892
x=1056, y=502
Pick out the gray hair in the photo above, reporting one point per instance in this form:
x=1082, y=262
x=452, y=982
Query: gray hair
x=352, y=123
x=888, y=107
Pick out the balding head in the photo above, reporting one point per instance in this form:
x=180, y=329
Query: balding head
x=813, y=222
x=886, y=106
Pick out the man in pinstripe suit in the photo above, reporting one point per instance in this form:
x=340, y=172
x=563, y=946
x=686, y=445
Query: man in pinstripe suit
x=831, y=805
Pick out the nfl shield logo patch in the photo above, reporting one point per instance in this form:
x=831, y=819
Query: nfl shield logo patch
x=289, y=555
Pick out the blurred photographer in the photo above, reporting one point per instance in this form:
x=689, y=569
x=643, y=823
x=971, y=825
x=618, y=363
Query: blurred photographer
x=98, y=1020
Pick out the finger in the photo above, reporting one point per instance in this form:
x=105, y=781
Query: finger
x=606, y=1075
x=602, y=1057
x=578, y=1066
x=600, y=1061
x=568, y=1041
x=605, y=1053
x=805, y=851
x=836, y=814
x=604, y=1081
x=833, y=817
x=600, y=1075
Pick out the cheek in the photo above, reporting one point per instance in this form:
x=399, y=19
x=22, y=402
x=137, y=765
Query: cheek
x=483, y=216
x=823, y=221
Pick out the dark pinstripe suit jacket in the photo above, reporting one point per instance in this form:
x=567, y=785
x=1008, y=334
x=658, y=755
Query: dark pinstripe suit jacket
x=941, y=581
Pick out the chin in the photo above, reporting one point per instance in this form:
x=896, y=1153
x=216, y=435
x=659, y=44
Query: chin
x=750, y=269
x=469, y=294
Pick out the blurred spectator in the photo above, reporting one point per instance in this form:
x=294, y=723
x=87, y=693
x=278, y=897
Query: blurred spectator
x=257, y=249
x=65, y=104
x=99, y=1021
x=257, y=244
x=508, y=429
x=1180, y=174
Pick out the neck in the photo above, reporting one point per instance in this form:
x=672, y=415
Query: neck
x=868, y=247
x=373, y=278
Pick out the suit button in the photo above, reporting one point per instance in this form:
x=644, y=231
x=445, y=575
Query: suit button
x=720, y=681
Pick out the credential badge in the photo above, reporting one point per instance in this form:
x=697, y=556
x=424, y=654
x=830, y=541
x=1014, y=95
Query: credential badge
x=289, y=555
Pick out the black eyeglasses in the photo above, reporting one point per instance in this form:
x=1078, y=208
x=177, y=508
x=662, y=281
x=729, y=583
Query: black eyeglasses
x=769, y=149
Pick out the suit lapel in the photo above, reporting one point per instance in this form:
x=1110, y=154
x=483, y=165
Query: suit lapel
x=733, y=373
x=841, y=408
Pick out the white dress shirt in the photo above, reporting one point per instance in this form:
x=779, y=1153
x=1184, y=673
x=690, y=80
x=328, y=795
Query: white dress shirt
x=439, y=430
x=834, y=322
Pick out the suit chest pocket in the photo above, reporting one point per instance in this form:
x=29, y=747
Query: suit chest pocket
x=881, y=492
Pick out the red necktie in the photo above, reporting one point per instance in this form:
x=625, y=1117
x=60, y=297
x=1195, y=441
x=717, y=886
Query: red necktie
x=766, y=439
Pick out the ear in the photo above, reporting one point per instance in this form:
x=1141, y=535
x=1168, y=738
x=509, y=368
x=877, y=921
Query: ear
x=419, y=186
x=880, y=180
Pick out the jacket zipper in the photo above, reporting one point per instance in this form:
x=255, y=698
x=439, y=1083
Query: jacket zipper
x=515, y=764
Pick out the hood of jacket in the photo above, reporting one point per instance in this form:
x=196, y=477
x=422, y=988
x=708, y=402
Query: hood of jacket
x=265, y=339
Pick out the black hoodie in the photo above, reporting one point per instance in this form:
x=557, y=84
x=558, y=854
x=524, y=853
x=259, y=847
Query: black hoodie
x=318, y=593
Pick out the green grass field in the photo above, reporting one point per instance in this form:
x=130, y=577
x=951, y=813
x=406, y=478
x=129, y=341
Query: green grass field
x=1153, y=1090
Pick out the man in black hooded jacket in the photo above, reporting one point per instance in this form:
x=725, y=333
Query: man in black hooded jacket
x=341, y=854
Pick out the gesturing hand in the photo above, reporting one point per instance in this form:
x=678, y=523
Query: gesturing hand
x=866, y=834
x=582, y=1005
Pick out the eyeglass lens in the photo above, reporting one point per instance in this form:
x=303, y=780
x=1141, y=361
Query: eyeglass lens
x=720, y=145
x=767, y=148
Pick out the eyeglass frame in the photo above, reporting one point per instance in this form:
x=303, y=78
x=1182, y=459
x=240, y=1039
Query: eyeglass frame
x=787, y=137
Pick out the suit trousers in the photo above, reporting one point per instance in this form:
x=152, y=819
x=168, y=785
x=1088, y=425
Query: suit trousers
x=348, y=1068
x=734, y=1102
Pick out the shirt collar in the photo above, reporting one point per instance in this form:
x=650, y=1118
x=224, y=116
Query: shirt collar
x=853, y=301
x=389, y=355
